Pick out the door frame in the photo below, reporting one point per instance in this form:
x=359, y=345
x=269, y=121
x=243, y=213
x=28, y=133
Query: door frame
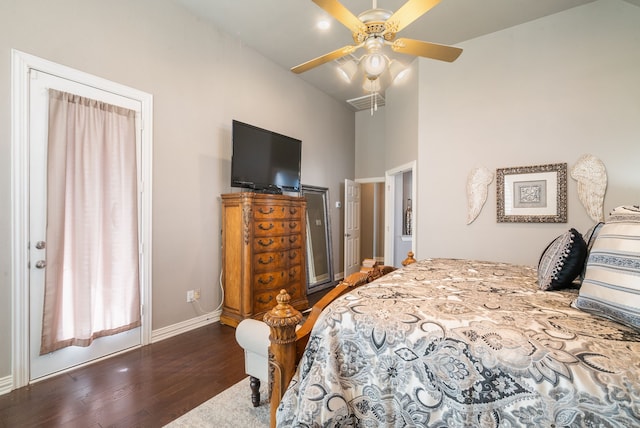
x=390, y=209
x=21, y=64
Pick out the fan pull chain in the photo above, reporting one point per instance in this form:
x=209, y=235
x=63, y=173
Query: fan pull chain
x=374, y=102
x=371, y=103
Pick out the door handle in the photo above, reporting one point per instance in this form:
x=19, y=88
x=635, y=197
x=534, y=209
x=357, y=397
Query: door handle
x=40, y=264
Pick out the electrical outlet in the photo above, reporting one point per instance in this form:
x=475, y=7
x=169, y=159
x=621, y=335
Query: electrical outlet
x=196, y=294
x=190, y=296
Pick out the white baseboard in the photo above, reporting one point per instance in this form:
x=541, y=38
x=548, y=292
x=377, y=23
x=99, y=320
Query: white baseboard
x=339, y=276
x=184, y=326
x=6, y=385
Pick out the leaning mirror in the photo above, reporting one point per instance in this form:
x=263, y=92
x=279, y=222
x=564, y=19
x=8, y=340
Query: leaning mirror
x=319, y=265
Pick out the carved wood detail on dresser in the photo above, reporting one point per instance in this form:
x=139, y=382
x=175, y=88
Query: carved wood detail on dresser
x=263, y=251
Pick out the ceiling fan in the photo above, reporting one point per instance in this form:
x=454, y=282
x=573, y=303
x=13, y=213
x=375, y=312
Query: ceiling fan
x=376, y=28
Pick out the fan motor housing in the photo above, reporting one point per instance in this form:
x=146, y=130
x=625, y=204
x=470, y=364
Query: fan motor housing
x=375, y=21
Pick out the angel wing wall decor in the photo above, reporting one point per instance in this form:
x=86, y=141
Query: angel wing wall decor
x=477, y=190
x=591, y=175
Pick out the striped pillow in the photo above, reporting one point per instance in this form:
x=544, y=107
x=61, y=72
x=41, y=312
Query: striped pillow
x=611, y=285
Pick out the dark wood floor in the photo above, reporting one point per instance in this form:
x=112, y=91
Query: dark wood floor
x=146, y=387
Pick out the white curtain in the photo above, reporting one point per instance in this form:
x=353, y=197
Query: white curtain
x=91, y=279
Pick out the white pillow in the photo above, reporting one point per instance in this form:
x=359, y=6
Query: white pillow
x=611, y=285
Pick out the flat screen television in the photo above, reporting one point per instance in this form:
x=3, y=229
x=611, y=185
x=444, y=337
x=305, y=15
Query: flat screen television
x=264, y=161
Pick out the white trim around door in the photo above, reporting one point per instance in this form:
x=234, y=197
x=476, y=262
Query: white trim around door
x=391, y=210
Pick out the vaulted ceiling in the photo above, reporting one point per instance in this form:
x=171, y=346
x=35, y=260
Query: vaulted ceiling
x=286, y=32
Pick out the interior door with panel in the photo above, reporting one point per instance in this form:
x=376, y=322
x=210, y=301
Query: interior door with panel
x=351, y=227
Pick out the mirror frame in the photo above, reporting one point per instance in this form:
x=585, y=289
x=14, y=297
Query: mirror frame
x=318, y=285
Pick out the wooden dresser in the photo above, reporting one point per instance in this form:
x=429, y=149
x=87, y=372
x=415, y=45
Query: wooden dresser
x=263, y=251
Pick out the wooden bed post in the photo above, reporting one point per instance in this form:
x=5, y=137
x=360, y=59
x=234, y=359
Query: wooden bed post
x=282, y=321
x=409, y=260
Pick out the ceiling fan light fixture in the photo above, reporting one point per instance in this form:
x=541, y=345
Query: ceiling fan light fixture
x=375, y=30
x=397, y=71
x=374, y=65
x=347, y=70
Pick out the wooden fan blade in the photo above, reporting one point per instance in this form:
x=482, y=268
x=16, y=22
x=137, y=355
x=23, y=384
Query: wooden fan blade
x=409, y=12
x=342, y=14
x=338, y=53
x=426, y=49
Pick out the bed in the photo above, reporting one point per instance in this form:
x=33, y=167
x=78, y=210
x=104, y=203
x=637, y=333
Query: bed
x=446, y=342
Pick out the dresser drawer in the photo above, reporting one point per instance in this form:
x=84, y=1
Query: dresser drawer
x=292, y=226
x=294, y=256
x=270, y=261
x=295, y=241
x=271, y=243
x=270, y=228
x=266, y=300
x=268, y=212
x=269, y=280
x=294, y=212
x=295, y=275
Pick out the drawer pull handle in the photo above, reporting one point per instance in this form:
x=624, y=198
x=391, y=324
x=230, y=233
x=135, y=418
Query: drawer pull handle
x=293, y=239
x=261, y=226
x=265, y=244
x=265, y=301
x=293, y=211
x=293, y=255
x=266, y=281
x=263, y=211
x=292, y=225
x=262, y=262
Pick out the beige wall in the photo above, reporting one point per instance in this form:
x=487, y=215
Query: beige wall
x=544, y=92
x=370, y=143
x=402, y=122
x=201, y=80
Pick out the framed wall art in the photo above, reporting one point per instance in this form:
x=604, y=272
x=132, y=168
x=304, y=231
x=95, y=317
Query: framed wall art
x=532, y=194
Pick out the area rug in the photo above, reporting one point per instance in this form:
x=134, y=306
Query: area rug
x=231, y=408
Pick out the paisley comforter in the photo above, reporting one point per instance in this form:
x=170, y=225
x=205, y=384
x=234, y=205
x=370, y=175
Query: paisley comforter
x=459, y=343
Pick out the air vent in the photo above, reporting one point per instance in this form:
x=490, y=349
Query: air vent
x=367, y=101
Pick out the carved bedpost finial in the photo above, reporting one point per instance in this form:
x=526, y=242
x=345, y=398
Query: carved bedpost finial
x=282, y=321
x=409, y=260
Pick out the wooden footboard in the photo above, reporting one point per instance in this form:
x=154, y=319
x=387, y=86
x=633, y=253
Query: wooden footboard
x=288, y=343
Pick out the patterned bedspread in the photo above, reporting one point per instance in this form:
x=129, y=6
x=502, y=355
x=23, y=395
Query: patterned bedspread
x=458, y=343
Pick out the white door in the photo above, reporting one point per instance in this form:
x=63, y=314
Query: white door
x=65, y=358
x=351, y=227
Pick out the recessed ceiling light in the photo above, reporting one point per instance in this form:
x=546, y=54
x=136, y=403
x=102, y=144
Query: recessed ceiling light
x=323, y=24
